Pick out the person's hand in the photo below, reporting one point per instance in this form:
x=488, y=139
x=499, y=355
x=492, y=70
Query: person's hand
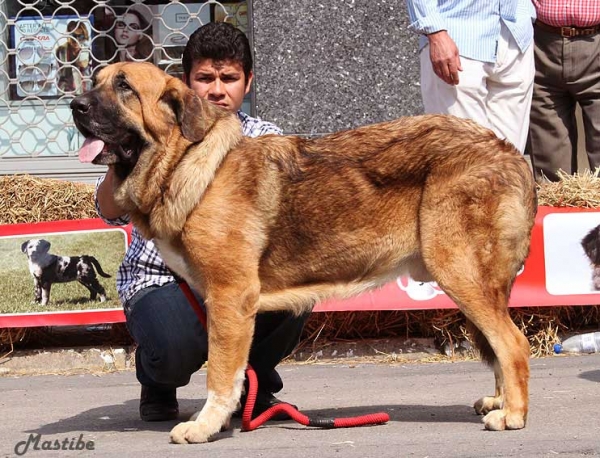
x=106, y=195
x=444, y=57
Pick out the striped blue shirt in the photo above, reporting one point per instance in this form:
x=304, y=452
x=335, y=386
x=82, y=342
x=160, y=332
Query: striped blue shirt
x=142, y=266
x=474, y=25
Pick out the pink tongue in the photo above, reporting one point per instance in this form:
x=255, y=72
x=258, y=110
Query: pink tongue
x=90, y=149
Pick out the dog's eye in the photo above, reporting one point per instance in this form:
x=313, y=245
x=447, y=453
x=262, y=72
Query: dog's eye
x=122, y=85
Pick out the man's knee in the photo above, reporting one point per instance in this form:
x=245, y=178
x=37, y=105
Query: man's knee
x=171, y=359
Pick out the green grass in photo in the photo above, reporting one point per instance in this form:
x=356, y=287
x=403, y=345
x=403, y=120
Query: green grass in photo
x=16, y=283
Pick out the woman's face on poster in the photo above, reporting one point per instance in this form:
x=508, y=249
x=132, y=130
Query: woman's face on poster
x=128, y=30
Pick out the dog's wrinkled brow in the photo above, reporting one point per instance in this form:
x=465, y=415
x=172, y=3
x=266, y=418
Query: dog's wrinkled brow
x=120, y=78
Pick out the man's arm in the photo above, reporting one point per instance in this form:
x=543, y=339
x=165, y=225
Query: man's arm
x=106, y=206
x=443, y=52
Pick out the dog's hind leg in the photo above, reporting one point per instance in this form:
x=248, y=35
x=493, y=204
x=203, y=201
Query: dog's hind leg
x=231, y=314
x=95, y=289
x=475, y=261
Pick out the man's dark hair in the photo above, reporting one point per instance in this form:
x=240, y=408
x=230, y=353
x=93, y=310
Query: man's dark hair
x=217, y=41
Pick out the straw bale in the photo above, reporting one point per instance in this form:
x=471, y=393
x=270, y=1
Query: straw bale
x=26, y=199
x=580, y=190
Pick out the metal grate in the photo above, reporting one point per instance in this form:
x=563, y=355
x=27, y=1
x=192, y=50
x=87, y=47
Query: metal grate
x=50, y=50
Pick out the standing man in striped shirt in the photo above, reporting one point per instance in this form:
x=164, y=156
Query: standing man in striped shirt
x=171, y=342
x=477, y=61
x=567, y=61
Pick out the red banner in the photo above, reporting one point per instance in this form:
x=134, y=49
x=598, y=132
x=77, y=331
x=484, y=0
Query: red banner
x=86, y=232
x=556, y=272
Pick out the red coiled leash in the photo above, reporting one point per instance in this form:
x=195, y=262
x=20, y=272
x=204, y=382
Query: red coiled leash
x=249, y=424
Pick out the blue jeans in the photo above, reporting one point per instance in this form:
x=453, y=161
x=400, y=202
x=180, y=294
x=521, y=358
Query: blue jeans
x=172, y=343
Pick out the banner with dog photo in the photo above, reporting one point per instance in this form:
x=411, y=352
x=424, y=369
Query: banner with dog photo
x=60, y=272
x=563, y=268
x=52, y=56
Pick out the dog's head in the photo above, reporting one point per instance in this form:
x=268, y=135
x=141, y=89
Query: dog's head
x=35, y=248
x=136, y=108
x=591, y=245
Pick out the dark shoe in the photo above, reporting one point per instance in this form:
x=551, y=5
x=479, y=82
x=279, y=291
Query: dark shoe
x=158, y=405
x=264, y=401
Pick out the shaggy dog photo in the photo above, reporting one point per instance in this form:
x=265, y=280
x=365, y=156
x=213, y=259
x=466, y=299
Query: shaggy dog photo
x=591, y=247
x=282, y=222
x=47, y=269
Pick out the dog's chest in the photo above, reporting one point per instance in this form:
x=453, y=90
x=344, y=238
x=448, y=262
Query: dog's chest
x=173, y=259
x=35, y=269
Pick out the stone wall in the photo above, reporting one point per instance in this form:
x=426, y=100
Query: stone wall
x=324, y=66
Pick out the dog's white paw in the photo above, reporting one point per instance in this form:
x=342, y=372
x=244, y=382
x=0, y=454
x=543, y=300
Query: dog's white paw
x=499, y=420
x=488, y=403
x=190, y=432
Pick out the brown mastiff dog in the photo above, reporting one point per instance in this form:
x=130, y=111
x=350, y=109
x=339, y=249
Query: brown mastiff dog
x=281, y=222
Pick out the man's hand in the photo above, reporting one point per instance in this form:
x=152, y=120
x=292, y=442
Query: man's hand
x=106, y=196
x=444, y=57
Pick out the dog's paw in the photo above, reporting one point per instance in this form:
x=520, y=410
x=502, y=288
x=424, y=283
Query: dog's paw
x=190, y=432
x=499, y=420
x=487, y=404
x=225, y=427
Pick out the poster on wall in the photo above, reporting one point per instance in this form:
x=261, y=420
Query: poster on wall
x=174, y=24
x=52, y=56
x=61, y=272
x=234, y=13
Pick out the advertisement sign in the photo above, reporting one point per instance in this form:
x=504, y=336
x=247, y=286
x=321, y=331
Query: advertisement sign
x=52, y=56
x=557, y=272
x=60, y=273
x=177, y=21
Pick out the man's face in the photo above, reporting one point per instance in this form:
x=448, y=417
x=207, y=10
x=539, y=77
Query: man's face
x=222, y=83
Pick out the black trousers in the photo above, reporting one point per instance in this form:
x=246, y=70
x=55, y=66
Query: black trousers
x=172, y=343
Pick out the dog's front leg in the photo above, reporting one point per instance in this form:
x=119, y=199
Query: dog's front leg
x=37, y=288
x=231, y=314
x=46, y=292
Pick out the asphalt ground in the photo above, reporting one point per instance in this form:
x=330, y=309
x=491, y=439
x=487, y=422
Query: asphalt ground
x=430, y=405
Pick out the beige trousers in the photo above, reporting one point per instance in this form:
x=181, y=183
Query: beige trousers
x=497, y=95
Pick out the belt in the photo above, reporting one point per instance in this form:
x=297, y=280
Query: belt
x=569, y=32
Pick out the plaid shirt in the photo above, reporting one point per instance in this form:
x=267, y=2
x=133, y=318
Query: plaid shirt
x=566, y=13
x=142, y=265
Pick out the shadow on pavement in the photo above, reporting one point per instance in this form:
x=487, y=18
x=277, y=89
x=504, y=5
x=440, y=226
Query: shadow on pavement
x=125, y=417
x=592, y=376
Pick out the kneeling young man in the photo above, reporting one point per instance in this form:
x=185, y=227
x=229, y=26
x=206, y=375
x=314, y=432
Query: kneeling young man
x=171, y=342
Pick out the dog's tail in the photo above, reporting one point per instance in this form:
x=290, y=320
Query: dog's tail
x=94, y=261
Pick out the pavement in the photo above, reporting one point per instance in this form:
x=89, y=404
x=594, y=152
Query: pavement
x=430, y=405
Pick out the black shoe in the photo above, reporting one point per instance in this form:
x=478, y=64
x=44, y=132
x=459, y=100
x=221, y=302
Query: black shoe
x=264, y=401
x=158, y=405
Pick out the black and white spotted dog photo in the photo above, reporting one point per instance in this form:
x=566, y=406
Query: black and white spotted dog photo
x=47, y=269
x=591, y=247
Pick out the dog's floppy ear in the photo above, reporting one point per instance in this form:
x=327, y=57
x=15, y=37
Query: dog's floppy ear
x=24, y=246
x=194, y=115
x=591, y=245
x=44, y=246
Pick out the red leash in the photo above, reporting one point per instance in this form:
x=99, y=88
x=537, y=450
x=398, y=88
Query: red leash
x=249, y=424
